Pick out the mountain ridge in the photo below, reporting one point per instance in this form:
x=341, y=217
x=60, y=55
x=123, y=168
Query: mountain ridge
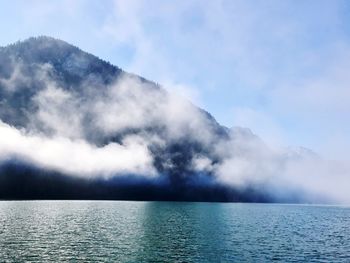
x=46, y=42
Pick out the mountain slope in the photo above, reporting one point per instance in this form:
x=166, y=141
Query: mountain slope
x=80, y=127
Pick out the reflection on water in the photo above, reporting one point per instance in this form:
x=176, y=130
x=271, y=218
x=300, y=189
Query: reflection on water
x=172, y=232
x=180, y=232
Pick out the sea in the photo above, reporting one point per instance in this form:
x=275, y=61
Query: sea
x=123, y=231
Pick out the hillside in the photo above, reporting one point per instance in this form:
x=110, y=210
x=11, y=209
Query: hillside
x=85, y=129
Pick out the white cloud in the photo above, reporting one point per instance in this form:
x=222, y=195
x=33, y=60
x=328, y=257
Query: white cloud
x=58, y=111
x=16, y=79
x=329, y=179
x=76, y=157
x=57, y=136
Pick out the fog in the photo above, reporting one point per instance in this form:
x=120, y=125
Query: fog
x=128, y=126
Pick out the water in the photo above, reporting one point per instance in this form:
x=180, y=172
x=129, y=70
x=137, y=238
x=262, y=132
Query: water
x=172, y=232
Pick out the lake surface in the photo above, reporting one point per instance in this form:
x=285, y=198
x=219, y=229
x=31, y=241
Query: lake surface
x=113, y=231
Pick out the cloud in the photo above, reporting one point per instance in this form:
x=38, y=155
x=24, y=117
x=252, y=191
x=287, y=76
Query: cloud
x=284, y=61
x=76, y=157
x=128, y=103
x=58, y=111
x=66, y=131
x=286, y=74
x=327, y=179
x=248, y=161
x=15, y=79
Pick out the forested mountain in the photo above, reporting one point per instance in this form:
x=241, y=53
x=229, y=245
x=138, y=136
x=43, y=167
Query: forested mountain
x=78, y=127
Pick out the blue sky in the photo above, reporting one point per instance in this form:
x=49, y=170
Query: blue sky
x=280, y=68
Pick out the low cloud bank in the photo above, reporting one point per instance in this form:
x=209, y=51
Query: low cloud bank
x=76, y=157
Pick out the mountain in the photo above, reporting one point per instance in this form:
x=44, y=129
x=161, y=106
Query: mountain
x=81, y=128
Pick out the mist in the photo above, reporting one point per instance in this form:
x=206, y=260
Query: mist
x=110, y=126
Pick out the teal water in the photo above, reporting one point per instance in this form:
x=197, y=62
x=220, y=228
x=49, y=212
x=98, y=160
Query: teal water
x=42, y=231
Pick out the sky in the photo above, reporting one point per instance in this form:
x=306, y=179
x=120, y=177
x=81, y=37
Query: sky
x=277, y=67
